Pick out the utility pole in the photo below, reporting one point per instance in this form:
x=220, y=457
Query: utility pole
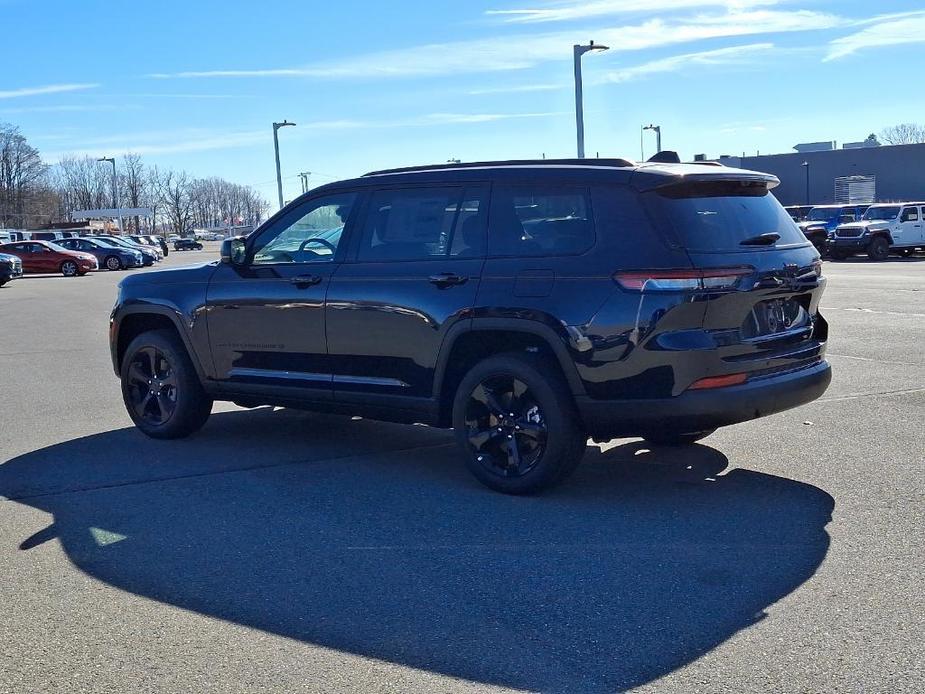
x=304, y=176
x=279, y=176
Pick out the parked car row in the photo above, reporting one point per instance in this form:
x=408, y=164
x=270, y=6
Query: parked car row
x=75, y=256
x=879, y=230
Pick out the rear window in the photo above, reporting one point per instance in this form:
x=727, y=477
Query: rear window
x=719, y=216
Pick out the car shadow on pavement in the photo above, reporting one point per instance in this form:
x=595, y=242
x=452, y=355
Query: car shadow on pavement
x=371, y=538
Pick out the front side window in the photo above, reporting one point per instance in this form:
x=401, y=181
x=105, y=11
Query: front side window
x=311, y=233
x=414, y=224
x=540, y=220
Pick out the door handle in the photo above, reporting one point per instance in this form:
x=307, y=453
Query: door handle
x=305, y=280
x=447, y=279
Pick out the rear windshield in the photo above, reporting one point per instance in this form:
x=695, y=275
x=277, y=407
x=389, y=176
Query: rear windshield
x=720, y=215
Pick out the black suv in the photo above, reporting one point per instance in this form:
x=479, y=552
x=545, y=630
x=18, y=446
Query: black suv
x=527, y=305
x=187, y=245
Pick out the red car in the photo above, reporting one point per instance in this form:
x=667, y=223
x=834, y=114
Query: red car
x=45, y=256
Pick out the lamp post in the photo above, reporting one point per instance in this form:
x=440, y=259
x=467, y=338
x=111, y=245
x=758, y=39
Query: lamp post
x=805, y=165
x=658, y=135
x=115, y=189
x=577, y=52
x=279, y=176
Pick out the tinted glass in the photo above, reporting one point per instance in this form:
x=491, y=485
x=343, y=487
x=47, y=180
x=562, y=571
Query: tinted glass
x=822, y=214
x=910, y=214
x=719, y=216
x=310, y=233
x=410, y=224
x=540, y=220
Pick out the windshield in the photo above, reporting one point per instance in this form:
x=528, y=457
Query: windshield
x=822, y=214
x=105, y=244
x=719, y=216
x=881, y=212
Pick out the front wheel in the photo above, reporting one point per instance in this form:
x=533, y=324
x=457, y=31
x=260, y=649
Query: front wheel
x=677, y=438
x=878, y=249
x=69, y=268
x=160, y=387
x=838, y=254
x=113, y=263
x=516, y=424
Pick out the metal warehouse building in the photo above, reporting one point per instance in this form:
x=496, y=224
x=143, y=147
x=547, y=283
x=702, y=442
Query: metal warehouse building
x=861, y=174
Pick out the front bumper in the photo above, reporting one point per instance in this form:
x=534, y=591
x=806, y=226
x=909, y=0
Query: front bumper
x=854, y=244
x=698, y=410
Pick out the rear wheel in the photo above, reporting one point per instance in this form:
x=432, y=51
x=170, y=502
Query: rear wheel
x=113, y=263
x=879, y=249
x=69, y=268
x=160, y=387
x=516, y=424
x=677, y=438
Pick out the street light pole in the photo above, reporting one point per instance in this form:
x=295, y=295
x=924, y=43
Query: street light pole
x=577, y=52
x=658, y=135
x=115, y=189
x=805, y=165
x=304, y=176
x=279, y=176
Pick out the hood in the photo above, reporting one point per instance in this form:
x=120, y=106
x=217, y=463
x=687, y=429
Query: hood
x=866, y=224
x=177, y=275
x=807, y=224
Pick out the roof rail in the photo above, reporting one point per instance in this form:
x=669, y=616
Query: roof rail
x=621, y=163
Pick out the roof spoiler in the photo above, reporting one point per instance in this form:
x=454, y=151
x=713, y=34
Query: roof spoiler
x=645, y=180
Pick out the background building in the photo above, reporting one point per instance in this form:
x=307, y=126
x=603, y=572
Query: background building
x=896, y=172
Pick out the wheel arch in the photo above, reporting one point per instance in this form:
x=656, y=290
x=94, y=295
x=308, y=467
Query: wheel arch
x=470, y=342
x=129, y=323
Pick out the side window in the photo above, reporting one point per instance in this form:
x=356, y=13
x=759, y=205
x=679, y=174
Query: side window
x=310, y=233
x=417, y=224
x=910, y=214
x=540, y=220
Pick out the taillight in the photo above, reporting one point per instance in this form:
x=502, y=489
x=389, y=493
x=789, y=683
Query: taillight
x=681, y=280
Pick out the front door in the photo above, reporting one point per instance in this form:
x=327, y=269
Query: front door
x=266, y=317
x=418, y=260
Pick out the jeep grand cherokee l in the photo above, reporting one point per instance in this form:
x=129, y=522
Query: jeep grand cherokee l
x=527, y=305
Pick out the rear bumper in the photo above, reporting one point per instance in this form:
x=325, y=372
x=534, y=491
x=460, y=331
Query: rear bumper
x=698, y=410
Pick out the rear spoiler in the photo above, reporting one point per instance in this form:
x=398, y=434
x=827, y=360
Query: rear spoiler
x=647, y=178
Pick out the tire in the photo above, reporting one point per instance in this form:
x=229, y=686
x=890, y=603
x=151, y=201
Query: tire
x=677, y=438
x=158, y=360
x=113, y=263
x=69, y=268
x=3, y=282
x=838, y=254
x=879, y=249
x=906, y=252
x=533, y=450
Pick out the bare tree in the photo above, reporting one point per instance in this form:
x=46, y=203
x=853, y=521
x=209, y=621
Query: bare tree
x=903, y=134
x=25, y=197
x=132, y=183
x=83, y=183
x=174, y=193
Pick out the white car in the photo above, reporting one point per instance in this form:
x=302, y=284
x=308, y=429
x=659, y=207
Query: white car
x=885, y=228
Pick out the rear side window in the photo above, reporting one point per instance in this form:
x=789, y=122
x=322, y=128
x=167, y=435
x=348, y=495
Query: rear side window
x=422, y=223
x=540, y=220
x=718, y=216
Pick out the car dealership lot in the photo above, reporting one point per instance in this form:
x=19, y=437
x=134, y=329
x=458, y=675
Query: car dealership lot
x=283, y=551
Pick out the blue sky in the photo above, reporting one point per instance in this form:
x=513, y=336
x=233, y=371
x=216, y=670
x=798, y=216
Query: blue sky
x=196, y=85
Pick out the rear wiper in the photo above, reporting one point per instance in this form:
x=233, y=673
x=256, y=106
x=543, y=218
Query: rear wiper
x=768, y=239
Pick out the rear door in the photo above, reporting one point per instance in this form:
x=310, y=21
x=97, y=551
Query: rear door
x=767, y=317
x=417, y=263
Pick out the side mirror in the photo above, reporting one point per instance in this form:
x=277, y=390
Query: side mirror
x=234, y=250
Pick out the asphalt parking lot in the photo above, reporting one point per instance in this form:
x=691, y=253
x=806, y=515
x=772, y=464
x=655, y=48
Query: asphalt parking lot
x=283, y=551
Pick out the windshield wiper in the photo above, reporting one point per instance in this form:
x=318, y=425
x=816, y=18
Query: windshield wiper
x=768, y=239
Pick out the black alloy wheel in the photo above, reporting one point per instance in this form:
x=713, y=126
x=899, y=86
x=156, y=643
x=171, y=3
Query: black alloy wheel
x=69, y=268
x=505, y=426
x=878, y=249
x=152, y=386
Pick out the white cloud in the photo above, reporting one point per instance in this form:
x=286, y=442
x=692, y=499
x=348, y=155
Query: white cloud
x=524, y=51
x=517, y=88
x=891, y=30
x=735, y=55
x=46, y=89
x=581, y=9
